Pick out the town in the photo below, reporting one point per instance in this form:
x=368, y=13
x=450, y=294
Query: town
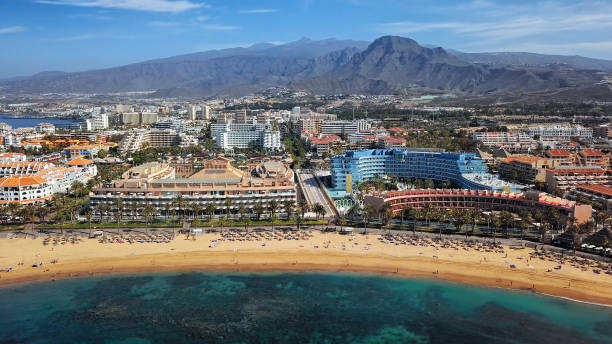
x=287, y=158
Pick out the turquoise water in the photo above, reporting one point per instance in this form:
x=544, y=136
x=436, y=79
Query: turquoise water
x=288, y=308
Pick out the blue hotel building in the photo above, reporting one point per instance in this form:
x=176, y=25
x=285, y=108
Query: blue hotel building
x=465, y=169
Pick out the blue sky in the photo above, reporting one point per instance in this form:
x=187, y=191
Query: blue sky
x=73, y=35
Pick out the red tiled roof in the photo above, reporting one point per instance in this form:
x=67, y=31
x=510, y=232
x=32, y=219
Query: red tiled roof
x=591, y=152
x=558, y=153
x=597, y=188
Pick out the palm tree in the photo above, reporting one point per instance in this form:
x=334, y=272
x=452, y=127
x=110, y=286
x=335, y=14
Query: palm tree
x=14, y=209
x=147, y=212
x=368, y=212
x=288, y=207
x=298, y=221
x=319, y=209
x=473, y=216
x=59, y=217
x=228, y=205
x=119, y=210
x=179, y=202
x=506, y=219
x=210, y=209
x=196, y=209
x=544, y=228
x=303, y=206
x=89, y=217
x=258, y=208
x=341, y=222
x=272, y=206
x=241, y=211
x=386, y=214
x=496, y=221
x=526, y=221
x=167, y=210
x=135, y=210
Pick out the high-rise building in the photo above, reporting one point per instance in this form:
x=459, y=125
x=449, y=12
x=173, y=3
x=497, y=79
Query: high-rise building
x=205, y=112
x=465, y=169
x=99, y=121
x=192, y=113
x=241, y=116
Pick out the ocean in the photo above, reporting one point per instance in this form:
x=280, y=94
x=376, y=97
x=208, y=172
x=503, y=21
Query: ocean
x=289, y=308
x=30, y=122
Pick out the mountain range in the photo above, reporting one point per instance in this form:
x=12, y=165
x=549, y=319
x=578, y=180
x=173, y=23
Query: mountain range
x=388, y=65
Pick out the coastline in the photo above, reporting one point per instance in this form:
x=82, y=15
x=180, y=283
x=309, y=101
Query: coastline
x=94, y=259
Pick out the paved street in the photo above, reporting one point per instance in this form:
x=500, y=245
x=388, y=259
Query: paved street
x=314, y=193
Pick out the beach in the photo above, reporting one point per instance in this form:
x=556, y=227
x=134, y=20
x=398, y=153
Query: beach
x=512, y=268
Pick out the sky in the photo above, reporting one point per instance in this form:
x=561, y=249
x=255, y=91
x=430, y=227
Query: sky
x=74, y=35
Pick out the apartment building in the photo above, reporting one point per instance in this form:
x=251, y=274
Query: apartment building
x=215, y=183
x=513, y=141
x=567, y=177
x=136, y=138
x=524, y=168
x=548, y=133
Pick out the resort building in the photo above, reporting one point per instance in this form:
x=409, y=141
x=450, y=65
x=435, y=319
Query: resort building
x=45, y=128
x=593, y=157
x=596, y=193
x=524, y=168
x=22, y=168
x=24, y=189
x=322, y=145
x=485, y=200
x=511, y=141
x=344, y=128
x=215, y=183
x=244, y=136
x=553, y=133
x=559, y=157
x=12, y=157
x=136, y=138
x=464, y=169
x=567, y=177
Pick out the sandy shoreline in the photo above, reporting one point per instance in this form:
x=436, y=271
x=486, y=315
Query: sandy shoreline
x=323, y=252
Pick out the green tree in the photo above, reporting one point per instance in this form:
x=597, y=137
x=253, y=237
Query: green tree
x=506, y=220
x=228, y=207
x=319, y=209
x=210, y=209
x=180, y=202
x=259, y=209
x=272, y=207
x=526, y=222
x=288, y=206
x=147, y=212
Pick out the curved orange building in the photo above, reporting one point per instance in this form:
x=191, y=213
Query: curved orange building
x=485, y=200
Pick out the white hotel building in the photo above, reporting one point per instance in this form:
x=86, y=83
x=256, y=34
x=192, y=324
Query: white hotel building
x=241, y=135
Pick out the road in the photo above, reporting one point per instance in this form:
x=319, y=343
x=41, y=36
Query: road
x=314, y=193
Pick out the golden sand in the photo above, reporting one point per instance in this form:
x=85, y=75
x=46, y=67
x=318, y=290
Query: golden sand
x=361, y=253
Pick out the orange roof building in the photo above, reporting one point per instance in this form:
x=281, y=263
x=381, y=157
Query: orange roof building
x=24, y=189
x=79, y=162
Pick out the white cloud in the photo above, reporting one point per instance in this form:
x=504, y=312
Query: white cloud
x=81, y=37
x=488, y=24
x=603, y=48
x=219, y=27
x=164, y=23
x=259, y=11
x=173, y=6
x=11, y=29
x=202, y=18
